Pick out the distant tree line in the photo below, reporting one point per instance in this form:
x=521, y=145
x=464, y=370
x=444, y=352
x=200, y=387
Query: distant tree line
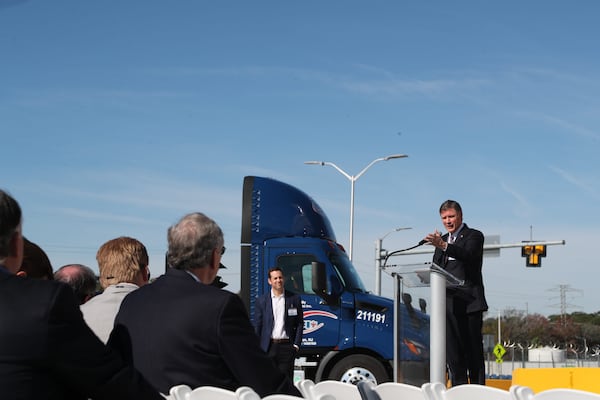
x=573, y=332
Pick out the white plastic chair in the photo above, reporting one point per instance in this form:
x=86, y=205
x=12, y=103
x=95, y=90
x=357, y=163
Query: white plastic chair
x=246, y=393
x=566, y=394
x=395, y=391
x=305, y=386
x=475, y=392
x=367, y=391
x=212, y=393
x=339, y=390
x=289, y=397
x=519, y=392
x=179, y=392
x=433, y=390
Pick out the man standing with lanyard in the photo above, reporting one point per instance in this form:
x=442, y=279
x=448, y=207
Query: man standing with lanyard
x=278, y=321
x=460, y=252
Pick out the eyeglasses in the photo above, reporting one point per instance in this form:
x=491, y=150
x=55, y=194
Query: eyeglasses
x=223, y=250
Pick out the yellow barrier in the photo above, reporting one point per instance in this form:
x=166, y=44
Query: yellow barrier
x=498, y=383
x=539, y=379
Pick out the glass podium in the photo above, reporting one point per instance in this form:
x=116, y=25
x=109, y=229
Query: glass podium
x=437, y=279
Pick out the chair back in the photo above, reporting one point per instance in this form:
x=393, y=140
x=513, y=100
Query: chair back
x=520, y=392
x=289, y=397
x=179, y=392
x=305, y=386
x=246, y=393
x=339, y=390
x=212, y=393
x=394, y=391
x=367, y=391
x=475, y=392
x=433, y=390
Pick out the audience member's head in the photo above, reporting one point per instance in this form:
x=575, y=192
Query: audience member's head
x=123, y=259
x=196, y=244
x=11, y=238
x=81, y=279
x=36, y=263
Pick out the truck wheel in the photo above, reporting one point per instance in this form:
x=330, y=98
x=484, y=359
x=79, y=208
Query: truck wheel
x=359, y=367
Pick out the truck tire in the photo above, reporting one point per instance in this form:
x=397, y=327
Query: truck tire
x=359, y=367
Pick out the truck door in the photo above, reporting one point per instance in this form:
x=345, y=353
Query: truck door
x=321, y=319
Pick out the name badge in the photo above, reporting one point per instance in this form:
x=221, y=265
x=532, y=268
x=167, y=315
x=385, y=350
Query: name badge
x=292, y=312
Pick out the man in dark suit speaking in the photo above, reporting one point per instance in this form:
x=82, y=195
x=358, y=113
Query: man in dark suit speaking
x=180, y=329
x=46, y=349
x=460, y=252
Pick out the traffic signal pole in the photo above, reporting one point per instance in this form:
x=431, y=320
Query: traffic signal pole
x=488, y=247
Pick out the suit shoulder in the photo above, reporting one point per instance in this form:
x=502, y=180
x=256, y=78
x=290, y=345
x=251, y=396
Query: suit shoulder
x=34, y=287
x=219, y=296
x=24, y=292
x=472, y=231
x=230, y=296
x=478, y=233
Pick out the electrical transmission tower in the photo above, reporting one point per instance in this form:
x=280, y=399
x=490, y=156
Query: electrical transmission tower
x=563, y=289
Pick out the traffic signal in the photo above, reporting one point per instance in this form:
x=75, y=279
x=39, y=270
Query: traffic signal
x=534, y=254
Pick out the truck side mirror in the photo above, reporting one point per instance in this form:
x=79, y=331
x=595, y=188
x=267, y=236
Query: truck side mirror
x=319, y=284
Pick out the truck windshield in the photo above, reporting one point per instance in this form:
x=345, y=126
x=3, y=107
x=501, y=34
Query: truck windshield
x=347, y=272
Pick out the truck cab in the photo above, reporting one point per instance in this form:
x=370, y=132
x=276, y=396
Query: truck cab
x=348, y=332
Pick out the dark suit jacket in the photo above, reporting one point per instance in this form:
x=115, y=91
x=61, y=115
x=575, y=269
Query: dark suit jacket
x=263, y=318
x=48, y=352
x=179, y=331
x=467, y=252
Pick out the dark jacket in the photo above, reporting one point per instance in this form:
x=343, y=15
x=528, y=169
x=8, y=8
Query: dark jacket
x=467, y=252
x=179, y=331
x=48, y=352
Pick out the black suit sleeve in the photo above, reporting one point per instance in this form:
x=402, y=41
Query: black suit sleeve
x=78, y=357
x=239, y=347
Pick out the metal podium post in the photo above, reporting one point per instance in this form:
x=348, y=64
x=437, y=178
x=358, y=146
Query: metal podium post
x=439, y=278
x=437, y=319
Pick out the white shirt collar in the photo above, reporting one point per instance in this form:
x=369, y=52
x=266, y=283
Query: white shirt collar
x=193, y=276
x=455, y=234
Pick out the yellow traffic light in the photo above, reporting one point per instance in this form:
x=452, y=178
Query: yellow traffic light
x=533, y=254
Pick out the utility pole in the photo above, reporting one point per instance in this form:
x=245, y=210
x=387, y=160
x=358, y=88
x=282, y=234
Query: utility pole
x=380, y=254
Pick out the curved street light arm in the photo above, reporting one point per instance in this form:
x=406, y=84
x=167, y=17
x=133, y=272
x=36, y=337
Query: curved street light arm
x=353, y=179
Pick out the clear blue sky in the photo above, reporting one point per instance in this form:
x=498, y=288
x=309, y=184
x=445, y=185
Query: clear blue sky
x=118, y=117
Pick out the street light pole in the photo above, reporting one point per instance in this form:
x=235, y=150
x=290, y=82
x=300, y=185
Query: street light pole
x=353, y=179
x=379, y=256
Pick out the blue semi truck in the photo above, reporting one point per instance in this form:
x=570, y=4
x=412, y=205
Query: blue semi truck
x=348, y=332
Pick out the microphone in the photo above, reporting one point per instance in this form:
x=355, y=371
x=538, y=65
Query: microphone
x=421, y=243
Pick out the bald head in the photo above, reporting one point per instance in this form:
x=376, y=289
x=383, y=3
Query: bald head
x=81, y=279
